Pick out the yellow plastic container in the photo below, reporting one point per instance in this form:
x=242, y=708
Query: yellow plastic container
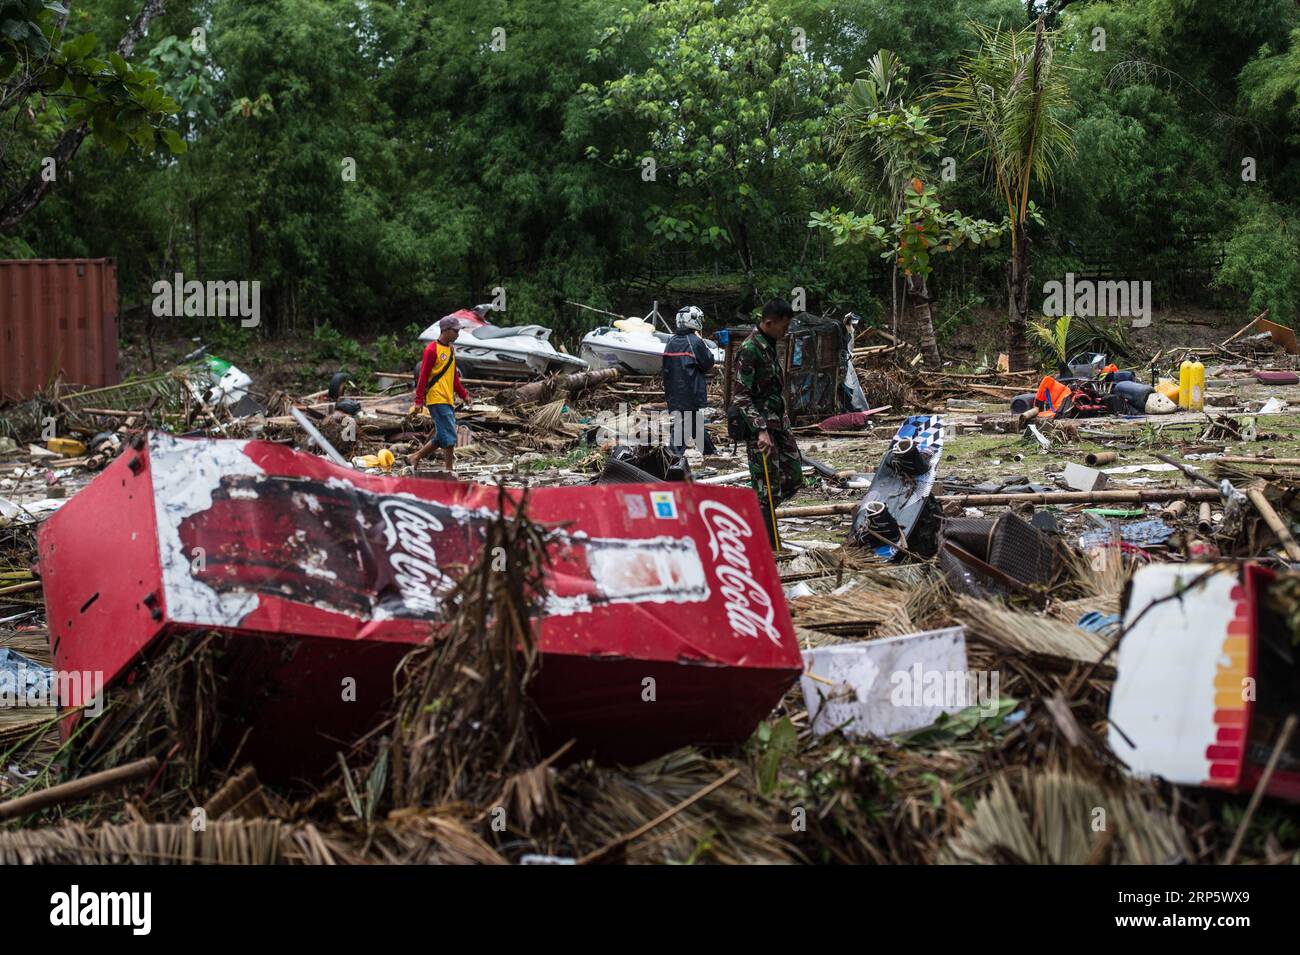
x=384, y=459
x=1196, y=399
x=68, y=447
x=1169, y=388
x=1185, y=384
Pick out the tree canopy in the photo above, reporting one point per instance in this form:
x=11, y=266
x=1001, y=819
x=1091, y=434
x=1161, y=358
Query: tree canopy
x=378, y=163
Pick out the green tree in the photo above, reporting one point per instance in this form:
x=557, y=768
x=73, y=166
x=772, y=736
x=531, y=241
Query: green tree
x=1008, y=98
x=886, y=148
x=55, y=91
x=1261, y=259
x=729, y=109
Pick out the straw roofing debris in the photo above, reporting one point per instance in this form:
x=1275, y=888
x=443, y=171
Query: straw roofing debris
x=1016, y=781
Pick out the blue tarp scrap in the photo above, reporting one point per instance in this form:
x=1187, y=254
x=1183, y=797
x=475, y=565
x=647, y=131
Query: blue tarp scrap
x=1142, y=533
x=24, y=682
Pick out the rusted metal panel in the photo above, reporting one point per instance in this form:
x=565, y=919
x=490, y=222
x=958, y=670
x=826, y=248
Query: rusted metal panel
x=57, y=316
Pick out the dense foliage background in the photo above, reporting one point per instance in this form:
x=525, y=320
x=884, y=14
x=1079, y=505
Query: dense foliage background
x=504, y=143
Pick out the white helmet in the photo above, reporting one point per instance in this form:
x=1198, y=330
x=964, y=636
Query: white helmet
x=690, y=317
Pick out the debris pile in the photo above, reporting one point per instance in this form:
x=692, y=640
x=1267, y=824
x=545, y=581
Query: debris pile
x=239, y=627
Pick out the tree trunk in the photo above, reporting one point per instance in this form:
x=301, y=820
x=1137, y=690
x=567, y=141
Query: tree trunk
x=198, y=240
x=1018, y=304
x=923, y=322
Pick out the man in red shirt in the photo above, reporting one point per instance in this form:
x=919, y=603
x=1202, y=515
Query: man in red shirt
x=438, y=388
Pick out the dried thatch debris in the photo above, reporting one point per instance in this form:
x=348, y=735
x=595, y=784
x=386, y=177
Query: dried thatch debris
x=460, y=730
x=1056, y=818
x=729, y=824
x=1028, y=634
x=238, y=842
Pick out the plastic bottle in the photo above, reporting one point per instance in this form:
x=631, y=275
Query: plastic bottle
x=1196, y=399
x=1185, y=384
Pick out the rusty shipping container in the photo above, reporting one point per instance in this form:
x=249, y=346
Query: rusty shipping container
x=57, y=315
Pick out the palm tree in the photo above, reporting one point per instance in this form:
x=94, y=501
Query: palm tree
x=1009, y=96
x=882, y=143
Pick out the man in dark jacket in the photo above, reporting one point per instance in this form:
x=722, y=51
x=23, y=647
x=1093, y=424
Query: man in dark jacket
x=687, y=360
x=759, y=398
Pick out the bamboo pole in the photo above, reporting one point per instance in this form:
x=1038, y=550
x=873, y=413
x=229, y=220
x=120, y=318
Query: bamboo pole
x=1275, y=523
x=1205, y=519
x=817, y=510
x=1150, y=495
x=1239, y=459
x=1245, y=328
x=75, y=789
x=20, y=588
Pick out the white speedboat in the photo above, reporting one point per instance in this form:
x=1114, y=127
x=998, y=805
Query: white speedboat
x=632, y=346
x=497, y=351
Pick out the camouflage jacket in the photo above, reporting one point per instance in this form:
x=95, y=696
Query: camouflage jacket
x=759, y=390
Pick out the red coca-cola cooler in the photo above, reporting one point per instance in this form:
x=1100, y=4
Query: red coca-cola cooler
x=664, y=623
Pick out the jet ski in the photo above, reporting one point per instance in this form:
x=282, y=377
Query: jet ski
x=631, y=345
x=484, y=350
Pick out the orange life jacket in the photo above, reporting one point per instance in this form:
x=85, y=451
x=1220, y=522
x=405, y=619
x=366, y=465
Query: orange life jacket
x=1052, y=397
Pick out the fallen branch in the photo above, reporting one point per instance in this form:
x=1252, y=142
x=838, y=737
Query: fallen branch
x=1245, y=328
x=1274, y=522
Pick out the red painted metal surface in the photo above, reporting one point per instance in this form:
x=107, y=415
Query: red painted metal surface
x=1275, y=696
x=57, y=316
x=665, y=623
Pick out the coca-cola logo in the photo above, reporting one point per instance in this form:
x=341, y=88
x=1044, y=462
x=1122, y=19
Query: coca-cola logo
x=408, y=538
x=749, y=606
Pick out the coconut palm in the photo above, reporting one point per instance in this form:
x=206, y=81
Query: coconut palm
x=883, y=144
x=1008, y=96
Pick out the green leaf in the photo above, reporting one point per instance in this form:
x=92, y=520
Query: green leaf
x=783, y=740
x=78, y=48
x=174, y=142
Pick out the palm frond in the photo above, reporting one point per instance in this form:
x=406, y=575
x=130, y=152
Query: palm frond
x=1008, y=97
x=1055, y=337
x=872, y=165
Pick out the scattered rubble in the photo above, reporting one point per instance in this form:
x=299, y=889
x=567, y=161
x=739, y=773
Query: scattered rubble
x=990, y=611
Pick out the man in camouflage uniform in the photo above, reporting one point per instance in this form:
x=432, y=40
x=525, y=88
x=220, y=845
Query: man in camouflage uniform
x=758, y=396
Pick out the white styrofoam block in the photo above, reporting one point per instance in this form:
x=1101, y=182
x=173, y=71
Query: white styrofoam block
x=882, y=687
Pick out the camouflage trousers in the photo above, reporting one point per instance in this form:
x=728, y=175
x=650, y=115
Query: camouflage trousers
x=784, y=470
